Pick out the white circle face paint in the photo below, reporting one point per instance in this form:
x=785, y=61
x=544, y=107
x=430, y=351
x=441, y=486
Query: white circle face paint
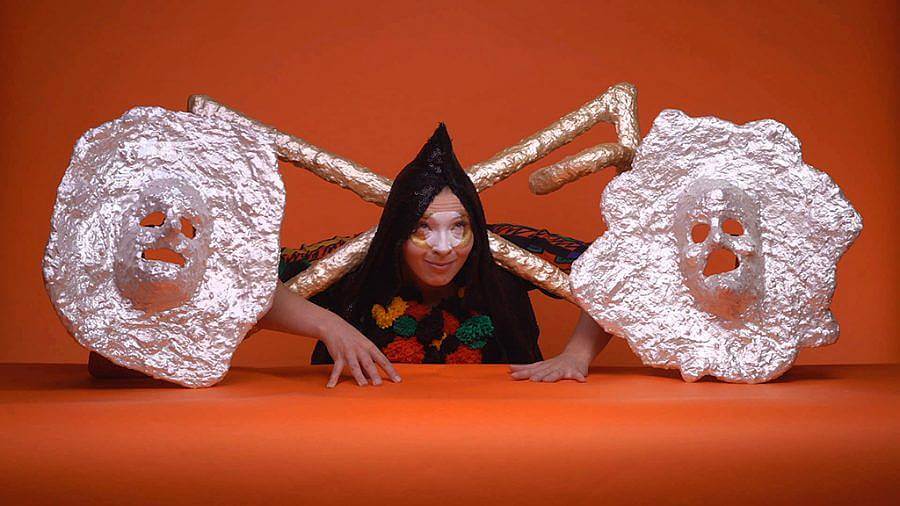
x=645, y=278
x=164, y=246
x=443, y=231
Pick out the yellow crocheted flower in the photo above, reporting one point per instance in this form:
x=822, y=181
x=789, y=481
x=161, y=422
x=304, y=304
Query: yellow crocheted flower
x=384, y=318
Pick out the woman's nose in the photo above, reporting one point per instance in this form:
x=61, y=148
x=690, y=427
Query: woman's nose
x=442, y=245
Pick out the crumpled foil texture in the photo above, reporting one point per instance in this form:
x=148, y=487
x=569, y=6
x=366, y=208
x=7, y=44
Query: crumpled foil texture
x=642, y=280
x=179, y=323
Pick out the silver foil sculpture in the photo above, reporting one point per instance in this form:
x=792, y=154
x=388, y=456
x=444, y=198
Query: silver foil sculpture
x=164, y=241
x=644, y=278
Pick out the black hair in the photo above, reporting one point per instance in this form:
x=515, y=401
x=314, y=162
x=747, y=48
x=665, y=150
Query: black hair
x=486, y=289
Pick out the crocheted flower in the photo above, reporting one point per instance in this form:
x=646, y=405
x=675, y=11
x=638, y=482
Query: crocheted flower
x=450, y=323
x=407, y=351
x=405, y=326
x=474, y=331
x=384, y=318
x=418, y=310
x=464, y=355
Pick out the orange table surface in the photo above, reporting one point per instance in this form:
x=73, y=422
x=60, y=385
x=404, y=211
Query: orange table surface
x=450, y=435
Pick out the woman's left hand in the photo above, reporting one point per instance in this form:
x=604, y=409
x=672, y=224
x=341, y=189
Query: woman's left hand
x=566, y=365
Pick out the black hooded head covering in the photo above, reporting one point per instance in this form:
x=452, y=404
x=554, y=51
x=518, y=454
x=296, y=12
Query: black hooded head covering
x=488, y=288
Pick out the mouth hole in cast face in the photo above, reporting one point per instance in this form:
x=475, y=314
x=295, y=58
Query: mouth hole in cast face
x=187, y=228
x=155, y=219
x=719, y=261
x=699, y=232
x=164, y=255
x=733, y=227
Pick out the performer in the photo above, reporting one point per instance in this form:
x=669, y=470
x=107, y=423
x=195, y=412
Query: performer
x=428, y=290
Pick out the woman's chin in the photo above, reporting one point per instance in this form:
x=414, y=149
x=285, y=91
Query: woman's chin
x=438, y=280
x=438, y=283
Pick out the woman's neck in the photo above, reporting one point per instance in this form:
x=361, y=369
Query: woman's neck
x=432, y=295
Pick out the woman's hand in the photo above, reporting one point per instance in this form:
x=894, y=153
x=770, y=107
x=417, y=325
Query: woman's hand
x=587, y=341
x=360, y=356
x=563, y=366
x=350, y=349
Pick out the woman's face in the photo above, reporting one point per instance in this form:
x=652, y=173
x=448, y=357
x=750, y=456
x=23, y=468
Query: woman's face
x=440, y=244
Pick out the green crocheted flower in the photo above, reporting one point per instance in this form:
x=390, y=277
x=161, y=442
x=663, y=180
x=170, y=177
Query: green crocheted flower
x=405, y=326
x=473, y=331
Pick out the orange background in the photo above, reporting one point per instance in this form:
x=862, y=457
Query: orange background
x=370, y=82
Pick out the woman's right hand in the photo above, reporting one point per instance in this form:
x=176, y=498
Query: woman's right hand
x=292, y=313
x=351, y=350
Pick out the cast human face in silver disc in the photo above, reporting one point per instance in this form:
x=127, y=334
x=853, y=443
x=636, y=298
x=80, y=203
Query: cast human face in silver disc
x=163, y=248
x=710, y=204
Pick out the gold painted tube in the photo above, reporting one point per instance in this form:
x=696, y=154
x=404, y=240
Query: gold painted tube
x=330, y=167
x=617, y=105
x=554, y=177
x=531, y=267
x=326, y=271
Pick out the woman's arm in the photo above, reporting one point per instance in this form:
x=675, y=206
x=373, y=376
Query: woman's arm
x=587, y=341
x=293, y=314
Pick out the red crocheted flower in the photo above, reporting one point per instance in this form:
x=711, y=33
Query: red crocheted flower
x=450, y=324
x=464, y=355
x=417, y=310
x=405, y=351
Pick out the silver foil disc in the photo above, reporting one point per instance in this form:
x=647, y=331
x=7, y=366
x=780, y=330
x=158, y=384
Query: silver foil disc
x=164, y=241
x=645, y=279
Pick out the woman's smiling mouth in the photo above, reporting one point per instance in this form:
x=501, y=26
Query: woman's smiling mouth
x=439, y=266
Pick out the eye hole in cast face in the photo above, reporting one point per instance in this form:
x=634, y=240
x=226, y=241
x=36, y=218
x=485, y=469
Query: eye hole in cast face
x=699, y=232
x=187, y=228
x=154, y=219
x=733, y=227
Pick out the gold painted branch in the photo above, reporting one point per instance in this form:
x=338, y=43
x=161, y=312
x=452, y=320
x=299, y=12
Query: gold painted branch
x=529, y=266
x=330, y=167
x=618, y=105
x=327, y=271
x=553, y=177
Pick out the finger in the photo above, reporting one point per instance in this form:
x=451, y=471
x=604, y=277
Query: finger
x=539, y=368
x=539, y=375
x=574, y=375
x=335, y=373
x=528, y=369
x=386, y=366
x=370, y=369
x=520, y=375
x=519, y=367
x=356, y=371
x=552, y=376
